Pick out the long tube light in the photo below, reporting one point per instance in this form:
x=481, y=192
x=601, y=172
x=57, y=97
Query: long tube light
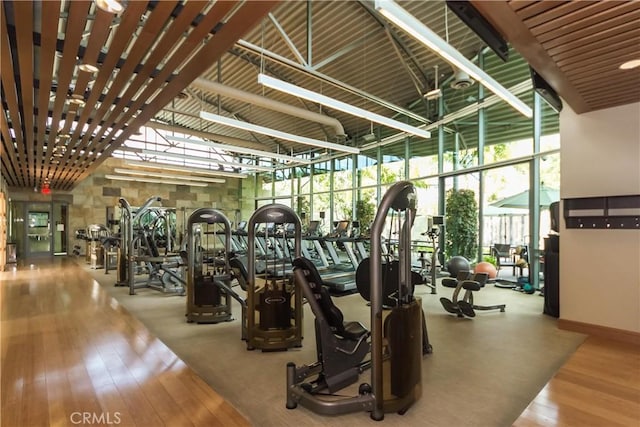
x=169, y=176
x=155, y=181
x=236, y=149
x=412, y=26
x=334, y=104
x=276, y=133
x=177, y=168
x=206, y=159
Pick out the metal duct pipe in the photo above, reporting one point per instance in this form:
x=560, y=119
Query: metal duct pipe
x=270, y=104
x=207, y=135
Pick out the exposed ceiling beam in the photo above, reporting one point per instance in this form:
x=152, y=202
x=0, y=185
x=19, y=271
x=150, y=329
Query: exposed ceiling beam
x=327, y=79
x=264, y=102
x=207, y=135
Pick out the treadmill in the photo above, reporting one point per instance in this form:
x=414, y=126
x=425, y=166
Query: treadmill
x=339, y=277
x=316, y=255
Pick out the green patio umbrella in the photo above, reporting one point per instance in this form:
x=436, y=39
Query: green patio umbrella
x=521, y=200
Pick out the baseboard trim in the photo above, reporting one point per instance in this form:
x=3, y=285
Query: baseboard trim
x=600, y=331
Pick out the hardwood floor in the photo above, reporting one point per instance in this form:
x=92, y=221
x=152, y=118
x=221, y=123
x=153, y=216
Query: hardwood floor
x=71, y=356
x=598, y=386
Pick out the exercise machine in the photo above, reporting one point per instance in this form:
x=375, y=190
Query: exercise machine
x=470, y=282
x=451, y=305
x=274, y=306
x=96, y=233
x=209, y=276
x=466, y=305
x=396, y=336
x=142, y=230
x=430, y=267
x=341, y=347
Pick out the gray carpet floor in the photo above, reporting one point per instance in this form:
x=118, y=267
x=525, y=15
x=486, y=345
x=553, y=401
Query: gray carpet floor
x=483, y=371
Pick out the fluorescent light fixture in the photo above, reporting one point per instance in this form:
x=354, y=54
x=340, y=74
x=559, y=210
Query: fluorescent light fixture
x=276, y=133
x=339, y=105
x=407, y=22
x=433, y=94
x=155, y=181
x=237, y=149
x=176, y=168
x=169, y=176
x=206, y=159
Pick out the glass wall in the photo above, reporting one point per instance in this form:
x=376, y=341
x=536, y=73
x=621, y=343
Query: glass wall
x=481, y=144
x=505, y=222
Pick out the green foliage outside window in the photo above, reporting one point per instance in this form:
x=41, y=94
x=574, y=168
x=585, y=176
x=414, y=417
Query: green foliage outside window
x=365, y=213
x=461, y=224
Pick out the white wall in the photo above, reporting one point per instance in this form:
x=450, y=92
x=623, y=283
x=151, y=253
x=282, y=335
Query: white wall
x=600, y=269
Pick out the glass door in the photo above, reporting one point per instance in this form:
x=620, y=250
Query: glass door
x=38, y=229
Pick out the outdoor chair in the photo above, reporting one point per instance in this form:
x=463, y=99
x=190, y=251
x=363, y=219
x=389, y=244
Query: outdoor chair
x=505, y=257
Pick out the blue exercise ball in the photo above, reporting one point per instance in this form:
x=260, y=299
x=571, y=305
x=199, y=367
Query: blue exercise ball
x=457, y=264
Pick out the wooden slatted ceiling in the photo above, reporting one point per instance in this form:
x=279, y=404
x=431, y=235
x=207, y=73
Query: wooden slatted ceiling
x=11, y=99
x=75, y=25
x=143, y=44
x=153, y=50
x=249, y=15
x=135, y=56
x=51, y=10
x=8, y=155
x=99, y=33
x=138, y=54
x=577, y=46
x=153, y=26
x=25, y=62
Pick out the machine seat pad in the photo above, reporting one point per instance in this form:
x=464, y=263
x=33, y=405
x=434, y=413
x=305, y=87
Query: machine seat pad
x=471, y=285
x=449, y=282
x=476, y=283
x=353, y=331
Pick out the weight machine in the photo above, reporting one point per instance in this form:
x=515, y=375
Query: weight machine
x=139, y=252
x=209, y=275
x=274, y=304
x=398, y=337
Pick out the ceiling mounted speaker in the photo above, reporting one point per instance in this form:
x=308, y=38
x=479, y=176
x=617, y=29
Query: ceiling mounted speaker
x=461, y=81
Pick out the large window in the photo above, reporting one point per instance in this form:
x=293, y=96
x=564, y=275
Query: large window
x=506, y=220
x=367, y=170
x=283, y=183
x=477, y=138
x=343, y=174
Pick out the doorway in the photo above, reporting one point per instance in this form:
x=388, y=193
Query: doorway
x=38, y=228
